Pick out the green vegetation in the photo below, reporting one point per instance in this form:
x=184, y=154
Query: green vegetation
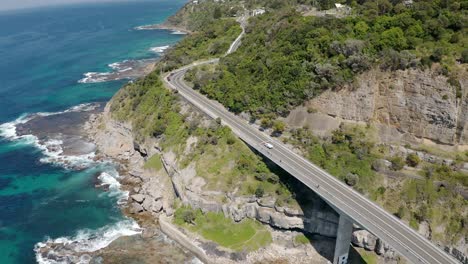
x=154, y=163
x=301, y=239
x=152, y=110
x=286, y=58
x=365, y=257
x=397, y=163
x=413, y=160
x=198, y=17
x=227, y=163
x=248, y=235
x=348, y=155
x=212, y=41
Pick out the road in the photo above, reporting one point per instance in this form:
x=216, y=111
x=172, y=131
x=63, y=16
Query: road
x=348, y=202
x=235, y=45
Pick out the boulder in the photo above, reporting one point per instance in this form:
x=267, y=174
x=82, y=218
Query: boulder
x=268, y=202
x=381, y=247
x=138, y=198
x=251, y=211
x=157, y=206
x=281, y=221
x=136, y=208
x=293, y=212
x=364, y=239
x=381, y=165
x=147, y=204
x=263, y=215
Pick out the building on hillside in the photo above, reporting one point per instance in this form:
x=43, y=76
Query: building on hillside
x=408, y=3
x=258, y=11
x=342, y=8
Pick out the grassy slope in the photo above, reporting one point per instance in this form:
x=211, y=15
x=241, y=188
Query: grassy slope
x=248, y=235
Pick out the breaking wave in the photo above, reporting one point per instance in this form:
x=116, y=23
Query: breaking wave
x=159, y=49
x=74, y=249
x=51, y=148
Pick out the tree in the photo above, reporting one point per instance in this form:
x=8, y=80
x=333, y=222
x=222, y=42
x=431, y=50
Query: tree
x=437, y=55
x=393, y=38
x=217, y=13
x=361, y=28
x=279, y=126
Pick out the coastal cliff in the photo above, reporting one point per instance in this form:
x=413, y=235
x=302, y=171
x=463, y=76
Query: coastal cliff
x=413, y=106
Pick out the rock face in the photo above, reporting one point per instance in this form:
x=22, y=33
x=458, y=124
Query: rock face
x=410, y=105
x=364, y=239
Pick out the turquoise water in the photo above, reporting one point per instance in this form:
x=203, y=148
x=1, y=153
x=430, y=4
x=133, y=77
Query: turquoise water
x=43, y=53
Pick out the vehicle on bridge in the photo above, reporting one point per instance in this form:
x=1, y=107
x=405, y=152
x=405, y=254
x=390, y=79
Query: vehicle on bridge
x=268, y=145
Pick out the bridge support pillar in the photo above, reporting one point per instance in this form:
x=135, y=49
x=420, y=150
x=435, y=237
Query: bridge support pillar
x=343, y=240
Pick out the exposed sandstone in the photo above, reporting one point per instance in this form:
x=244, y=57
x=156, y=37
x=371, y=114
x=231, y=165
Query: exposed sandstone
x=411, y=105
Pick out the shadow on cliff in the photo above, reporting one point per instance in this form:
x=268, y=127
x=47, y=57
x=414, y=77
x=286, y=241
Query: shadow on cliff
x=320, y=220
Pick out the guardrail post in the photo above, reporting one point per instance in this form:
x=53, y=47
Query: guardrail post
x=343, y=240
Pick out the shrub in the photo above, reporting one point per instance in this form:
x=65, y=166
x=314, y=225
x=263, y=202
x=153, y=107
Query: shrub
x=188, y=216
x=413, y=160
x=279, y=126
x=397, y=163
x=351, y=179
x=413, y=223
x=259, y=192
x=464, y=56
x=437, y=55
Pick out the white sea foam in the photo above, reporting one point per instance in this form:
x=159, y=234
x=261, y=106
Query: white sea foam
x=110, y=178
x=8, y=130
x=52, y=149
x=178, y=32
x=95, y=77
x=159, y=49
x=121, y=66
x=73, y=249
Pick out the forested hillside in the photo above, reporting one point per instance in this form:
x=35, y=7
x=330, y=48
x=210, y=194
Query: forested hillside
x=287, y=58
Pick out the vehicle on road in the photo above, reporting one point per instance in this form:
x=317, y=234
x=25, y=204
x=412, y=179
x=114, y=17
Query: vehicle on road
x=268, y=145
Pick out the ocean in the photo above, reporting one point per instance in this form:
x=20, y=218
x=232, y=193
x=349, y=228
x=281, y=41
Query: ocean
x=55, y=60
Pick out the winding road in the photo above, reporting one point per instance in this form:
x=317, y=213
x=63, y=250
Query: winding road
x=358, y=208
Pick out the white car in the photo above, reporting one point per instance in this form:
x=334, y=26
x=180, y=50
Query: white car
x=268, y=145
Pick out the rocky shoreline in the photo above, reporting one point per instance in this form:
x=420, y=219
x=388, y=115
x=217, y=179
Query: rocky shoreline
x=165, y=26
